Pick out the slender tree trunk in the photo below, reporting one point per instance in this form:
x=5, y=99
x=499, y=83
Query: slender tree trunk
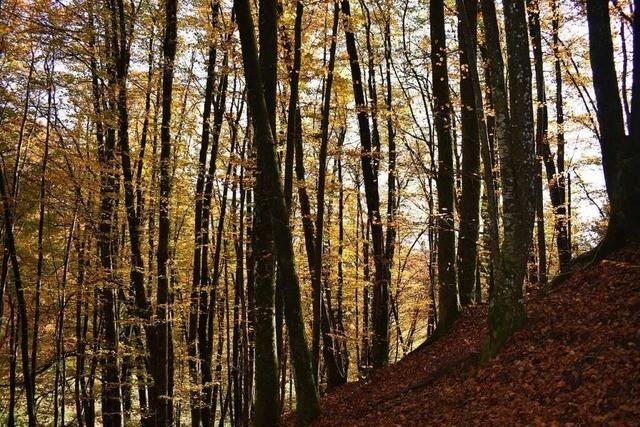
x=247, y=361
x=392, y=198
x=341, y=340
x=207, y=311
x=60, y=364
x=80, y=377
x=196, y=291
x=335, y=375
x=380, y=345
x=485, y=135
x=41, y=216
x=163, y=393
x=320, y=202
x=238, y=295
x=111, y=393
x=372, y=86
x=292, y=119
x=13, y=366
x=470, y=199
x=541, y=134
x=557, y=185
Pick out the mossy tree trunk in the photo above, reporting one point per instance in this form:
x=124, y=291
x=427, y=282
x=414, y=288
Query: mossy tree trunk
x=514, y=131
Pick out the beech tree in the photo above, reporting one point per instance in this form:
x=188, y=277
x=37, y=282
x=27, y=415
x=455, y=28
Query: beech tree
x=470, y=198
x=514, y=130
x=307, y=405
x=449, y=300
x=619, y=150
x=267, y=405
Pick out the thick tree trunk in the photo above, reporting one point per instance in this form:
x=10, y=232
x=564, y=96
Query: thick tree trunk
x=514, y=130
x=267, y=395
x=620, y=153
x=448, y=301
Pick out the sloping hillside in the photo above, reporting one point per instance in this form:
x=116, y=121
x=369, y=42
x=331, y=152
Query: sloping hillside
x=576, y=361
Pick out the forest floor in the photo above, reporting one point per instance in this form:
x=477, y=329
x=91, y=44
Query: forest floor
x=577, y=361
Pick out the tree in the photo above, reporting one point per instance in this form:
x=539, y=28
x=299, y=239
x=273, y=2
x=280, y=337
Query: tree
x=449, y=301
x=514, y=131
x=267, y=397
x=156, y=246
x=307, y=404
x=541, y=135
x=470, y=197
x=10, y=248
x=197, y=346
x=163, y=364
x=380, y=315
x=620, y=152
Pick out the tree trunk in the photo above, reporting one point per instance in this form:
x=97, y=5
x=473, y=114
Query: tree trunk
x=198, y=232
x=266, y=400
x=514, y=130
x=380, y=318
x=620, y=153
x=448, y=301
x=392, y=177
x=470, y=198
x=320, y=202
x=162, y=361
x=541, y=136
x=559, y=203
x=307, y=402
x=41, y=215
x=485, y=134
x=13, y=356
x=207, y=283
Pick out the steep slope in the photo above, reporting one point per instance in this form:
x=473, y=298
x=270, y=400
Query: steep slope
x=576, y=361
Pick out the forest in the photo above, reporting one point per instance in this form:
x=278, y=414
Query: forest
x=225, y=212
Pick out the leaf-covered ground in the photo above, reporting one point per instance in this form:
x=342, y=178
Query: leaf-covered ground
x=577, y=361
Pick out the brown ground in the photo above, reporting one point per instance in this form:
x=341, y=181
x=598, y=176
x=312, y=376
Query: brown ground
x=577, y=361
